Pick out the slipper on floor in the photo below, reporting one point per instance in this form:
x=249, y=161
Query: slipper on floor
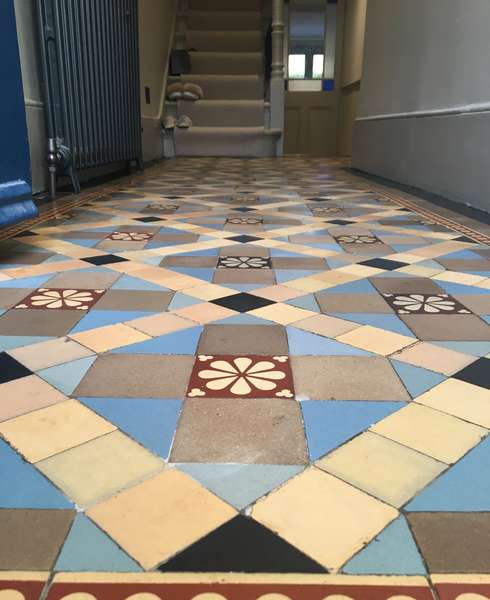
x=175, y=91
x=169, y=122
x=184, y=122
x=192, y=91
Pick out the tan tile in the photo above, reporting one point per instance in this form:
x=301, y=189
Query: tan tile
x=160, y=324
x=461, y=399
x=99, y=468
x=462, y=278
x=278, y=293
x=375, y=339
x=161, y=516
x=51, y=430
x=281, y=313
x=324, y=517
x=50, y=353
x=434, y=358
x=383, y=468
x=109, y=337
x=307, y=284
x=209, y=292
x=326, y=325
x=431, y=432
x=360, y=270
x=26, y=394
x=205, y=312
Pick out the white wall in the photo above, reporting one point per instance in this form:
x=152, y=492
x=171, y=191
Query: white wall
x=426, y=66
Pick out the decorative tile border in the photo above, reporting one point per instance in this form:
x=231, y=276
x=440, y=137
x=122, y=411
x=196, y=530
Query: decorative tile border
x=462, y=587
x=22, y=585
x=61, y=299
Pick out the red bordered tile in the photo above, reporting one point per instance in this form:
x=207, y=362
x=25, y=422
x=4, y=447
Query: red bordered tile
x=454, y=587
x=22, y=585
x=226, y=376
x=61, y=299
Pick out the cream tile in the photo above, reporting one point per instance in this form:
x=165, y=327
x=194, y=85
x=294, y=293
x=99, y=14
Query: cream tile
x=160, y=324
x=51, y=430
x=431, y=432
x=205, y=312
x=161, y=516
x=100, y=468
x=375, y=339
x=461, y=399
x=307, y=284
x=434, y=358
x=360, y=270
x=391, y=472
x=326, y=325
x=277, y=293
x=181, y=282
x=463, y=278
x=284, y=314
x=334, y=278
x=109, y=337
x=210, y=292
x=324, y=517
x=26, y=394
x=419, y=271
x=50, y=353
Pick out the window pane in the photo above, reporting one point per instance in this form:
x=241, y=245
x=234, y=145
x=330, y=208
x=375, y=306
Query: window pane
x=317, y=66
x=296, y=66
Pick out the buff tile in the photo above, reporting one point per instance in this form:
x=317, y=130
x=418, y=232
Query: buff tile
x=307, y=284
x=210, y=292
x=431, y=432
x=461, y=278
x=434, y=358
x=161, y=516
x=21, y=396
x=48, y=431
x=326, y=325
x=375, y=339
x=160, y=324
x=109, y=337
x=284, y=314
x=278, y=293
x=204, y=313
x=50, y=353
x=324, y=517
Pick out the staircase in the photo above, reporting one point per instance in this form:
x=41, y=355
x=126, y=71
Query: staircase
x=225, y=40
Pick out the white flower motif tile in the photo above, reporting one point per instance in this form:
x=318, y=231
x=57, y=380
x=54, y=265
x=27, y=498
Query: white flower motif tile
x=51, y=298
x=244, y=262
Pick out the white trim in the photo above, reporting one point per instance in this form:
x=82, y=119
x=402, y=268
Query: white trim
x=34, y=103
x=437, y=112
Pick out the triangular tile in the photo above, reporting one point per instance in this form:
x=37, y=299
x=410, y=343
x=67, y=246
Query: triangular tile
x=330, y=423
x=23, y=486
x=307, y=302
x=416, y=379
x=151, y=422
x=87, y=548
x=101, y=318
x=473, y=348
x=388, y=322
x=240, y=484
x=182, y=301
x=178, y=342
x=243, y=546
x=127, y=282
x=392, y=552
x=305, y=343
x=8, y=342
x=464, y=487
x=66, y=377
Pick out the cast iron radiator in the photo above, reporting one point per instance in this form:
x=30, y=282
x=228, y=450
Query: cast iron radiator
x=90, y=64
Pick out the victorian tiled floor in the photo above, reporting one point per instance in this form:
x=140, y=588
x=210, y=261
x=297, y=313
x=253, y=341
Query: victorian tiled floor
x=253, y=378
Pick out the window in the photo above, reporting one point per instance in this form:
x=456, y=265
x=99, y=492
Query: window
x=296, y=66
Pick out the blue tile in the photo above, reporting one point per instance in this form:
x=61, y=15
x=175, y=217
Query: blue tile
x=7, y=342
x=330, y=423
x=391, y=552
x=127, y=282
x=457, y=289
x=283, y=275
x=362, y=286
x=100, y=318
x=305, y=343
x=307, y=302
x=243, y=319
x=87, y=243
x=178, y=342
x=473, y=348
x=415, y=379
x=244, y=287
x=66, y=377
x=149, y=421
x=27, y=282
x=204, y=274
x=464, y=487
x=276, y=252
x=88, y=548
x=388, y=322
x=23, y=486
x=181, y=300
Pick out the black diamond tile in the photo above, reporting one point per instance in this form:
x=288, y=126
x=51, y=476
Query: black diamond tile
x=244, y=239
x=11, y=369
x=340, y=222
x=244, y=209
x=242, y=302
x=384, y=263
x=478, y=373
x=242, y=545
x=149, y=219
x=105, y=259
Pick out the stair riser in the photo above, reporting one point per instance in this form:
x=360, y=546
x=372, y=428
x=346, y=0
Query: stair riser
x=188, y=145
x=215, y=63
x=225, y=5
x=226, y=21
x=223, y=114
x=248, y=88
x=223, y=41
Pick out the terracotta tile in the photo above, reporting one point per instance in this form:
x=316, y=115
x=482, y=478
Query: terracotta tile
x=239, y=249
x=35, y=322
x=137, y=376
x=284, y=314
x=24, y=395
x=478, y=304
x=434, y=358
x=159, y=517
x=135, y=300
x=109, y=337
x=353, y=303
x=100, y=468
x=324, y=517
x=11, y=296
x=50, y=353
x=30, y=540
x=409, y=285
x=461, y=399
x=231, y=276
x=51, y=430
x=448, y=327
x=375, y=339
x=192, y=262
x=60, y=299
x=243, y=339
x=346, y=378
x=160, y=324
x=326, y=325
x=232, y=376
x=415, y=427
x=245, y=431
x=383, y=468
x=205, y=313
x=84, y=279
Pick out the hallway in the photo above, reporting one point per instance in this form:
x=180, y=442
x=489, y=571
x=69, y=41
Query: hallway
x=250, y=366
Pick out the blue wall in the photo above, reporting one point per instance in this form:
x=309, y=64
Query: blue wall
x=15, y=170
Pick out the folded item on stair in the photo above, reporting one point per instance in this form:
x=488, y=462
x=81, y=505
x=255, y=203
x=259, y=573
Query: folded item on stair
x=169, y=122
x=184, y=122
x=175, y=91
x=192, y=91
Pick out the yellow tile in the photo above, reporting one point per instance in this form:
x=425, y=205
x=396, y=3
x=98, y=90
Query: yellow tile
x=160, y=324
x=307, y=284
x=205, y=312
x=420, y=271
x=100, y=468
x=23, y=395
x=360, y=270
x=324, y=517
x=461, y=399
x=284, y=314
x=434, y=358
x=161, y=516
x=405, y=257
x=485, y=284
x=375, y=339
x=431, y=432
x=48, y=431
x=181, y=282
x=462, y=278
x=383, y=468
x=326, y=325
x=209, y=291
x=50, y=353
x=109, y=337
x=278, y=293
